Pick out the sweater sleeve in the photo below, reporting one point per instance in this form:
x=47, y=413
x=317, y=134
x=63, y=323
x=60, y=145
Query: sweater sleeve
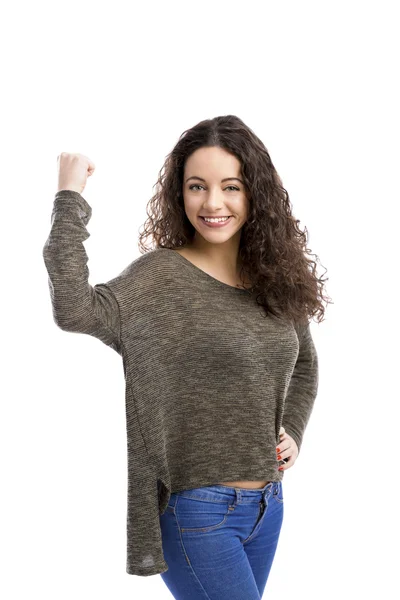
x=302, y=389
x=77, y=306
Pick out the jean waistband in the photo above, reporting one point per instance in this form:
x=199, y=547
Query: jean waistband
x=221, y=493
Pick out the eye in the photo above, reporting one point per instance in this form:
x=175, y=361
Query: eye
x=199, y=185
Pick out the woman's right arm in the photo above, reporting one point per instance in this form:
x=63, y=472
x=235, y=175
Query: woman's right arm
x=76, y=305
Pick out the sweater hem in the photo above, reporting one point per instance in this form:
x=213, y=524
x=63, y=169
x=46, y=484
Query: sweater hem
x=147, y=571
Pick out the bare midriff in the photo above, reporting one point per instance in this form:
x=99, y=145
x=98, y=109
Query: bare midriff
x=250, y=485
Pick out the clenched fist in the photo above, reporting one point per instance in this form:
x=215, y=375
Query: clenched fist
x=73, y=171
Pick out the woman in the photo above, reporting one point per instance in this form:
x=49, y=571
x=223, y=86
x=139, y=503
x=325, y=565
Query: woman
x=221, y=370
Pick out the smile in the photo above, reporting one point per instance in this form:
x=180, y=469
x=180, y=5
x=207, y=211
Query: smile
x=217, y=222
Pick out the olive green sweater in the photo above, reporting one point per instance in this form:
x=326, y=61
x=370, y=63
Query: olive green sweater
x=209, y=378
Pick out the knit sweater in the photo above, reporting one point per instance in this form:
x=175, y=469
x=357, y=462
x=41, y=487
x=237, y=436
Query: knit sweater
x=209, y=377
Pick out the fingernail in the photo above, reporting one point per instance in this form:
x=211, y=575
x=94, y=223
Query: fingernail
x=278, y=449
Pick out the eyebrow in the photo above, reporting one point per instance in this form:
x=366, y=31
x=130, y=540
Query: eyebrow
x=222, y=180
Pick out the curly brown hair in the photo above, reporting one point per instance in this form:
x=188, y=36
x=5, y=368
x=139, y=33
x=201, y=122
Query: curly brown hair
x=273, y=249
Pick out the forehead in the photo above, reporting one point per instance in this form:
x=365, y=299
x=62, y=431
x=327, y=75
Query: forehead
x=212, y=162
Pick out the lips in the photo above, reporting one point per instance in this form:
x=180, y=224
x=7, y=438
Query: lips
x=216, y=224
x=219, y=217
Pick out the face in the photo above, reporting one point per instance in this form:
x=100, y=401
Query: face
x=211, y=189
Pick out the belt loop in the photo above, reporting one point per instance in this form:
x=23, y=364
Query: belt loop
x=238, y=495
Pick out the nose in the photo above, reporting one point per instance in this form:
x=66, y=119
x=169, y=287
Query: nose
x=213, y=203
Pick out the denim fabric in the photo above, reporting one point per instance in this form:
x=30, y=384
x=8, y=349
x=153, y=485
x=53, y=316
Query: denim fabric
x=219, y=542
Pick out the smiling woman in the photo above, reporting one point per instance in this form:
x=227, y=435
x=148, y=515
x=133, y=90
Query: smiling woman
x=217, y=210
x=217, y=353
x=220, y=168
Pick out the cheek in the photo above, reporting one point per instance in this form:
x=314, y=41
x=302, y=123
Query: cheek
x=191, y=214
x=191, y=206
x=243, y=208
x=191, y=211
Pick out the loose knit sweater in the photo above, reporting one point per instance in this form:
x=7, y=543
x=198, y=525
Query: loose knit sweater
x=209, y=377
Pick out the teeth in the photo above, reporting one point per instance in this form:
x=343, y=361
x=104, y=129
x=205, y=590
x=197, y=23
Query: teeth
x=220, y=220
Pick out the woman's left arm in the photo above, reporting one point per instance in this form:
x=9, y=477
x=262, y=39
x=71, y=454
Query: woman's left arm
x=303, y=388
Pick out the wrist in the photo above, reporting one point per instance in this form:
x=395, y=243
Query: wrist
x=67, y=187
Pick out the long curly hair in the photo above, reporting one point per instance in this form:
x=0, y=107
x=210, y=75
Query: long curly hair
x=273, y=249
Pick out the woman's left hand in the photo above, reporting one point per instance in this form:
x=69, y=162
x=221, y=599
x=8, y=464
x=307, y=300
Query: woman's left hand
x=287, y=448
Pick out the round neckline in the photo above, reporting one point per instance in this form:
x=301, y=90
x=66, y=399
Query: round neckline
x=206, y=276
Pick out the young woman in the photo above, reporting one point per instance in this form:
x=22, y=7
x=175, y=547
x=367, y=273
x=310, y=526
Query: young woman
x=212, y=323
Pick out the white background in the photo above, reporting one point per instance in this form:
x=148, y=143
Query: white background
x=119, y=82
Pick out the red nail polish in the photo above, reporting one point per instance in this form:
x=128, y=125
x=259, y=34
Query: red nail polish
x=278, y=449
x=280, y=468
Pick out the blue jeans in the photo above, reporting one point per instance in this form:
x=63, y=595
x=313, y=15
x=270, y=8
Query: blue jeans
x=219, y=542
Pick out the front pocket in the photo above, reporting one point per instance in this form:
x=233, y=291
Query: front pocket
x=196, y=514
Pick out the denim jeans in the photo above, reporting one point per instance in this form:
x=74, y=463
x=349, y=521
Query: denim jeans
x=219, y=542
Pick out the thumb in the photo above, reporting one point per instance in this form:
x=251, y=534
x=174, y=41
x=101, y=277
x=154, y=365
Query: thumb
x=281, y=431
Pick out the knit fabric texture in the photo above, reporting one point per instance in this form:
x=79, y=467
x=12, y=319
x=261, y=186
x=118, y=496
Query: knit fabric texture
x=209, y=378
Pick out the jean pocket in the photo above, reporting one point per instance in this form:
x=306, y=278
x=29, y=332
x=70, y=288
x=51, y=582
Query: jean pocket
x=197, y=514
